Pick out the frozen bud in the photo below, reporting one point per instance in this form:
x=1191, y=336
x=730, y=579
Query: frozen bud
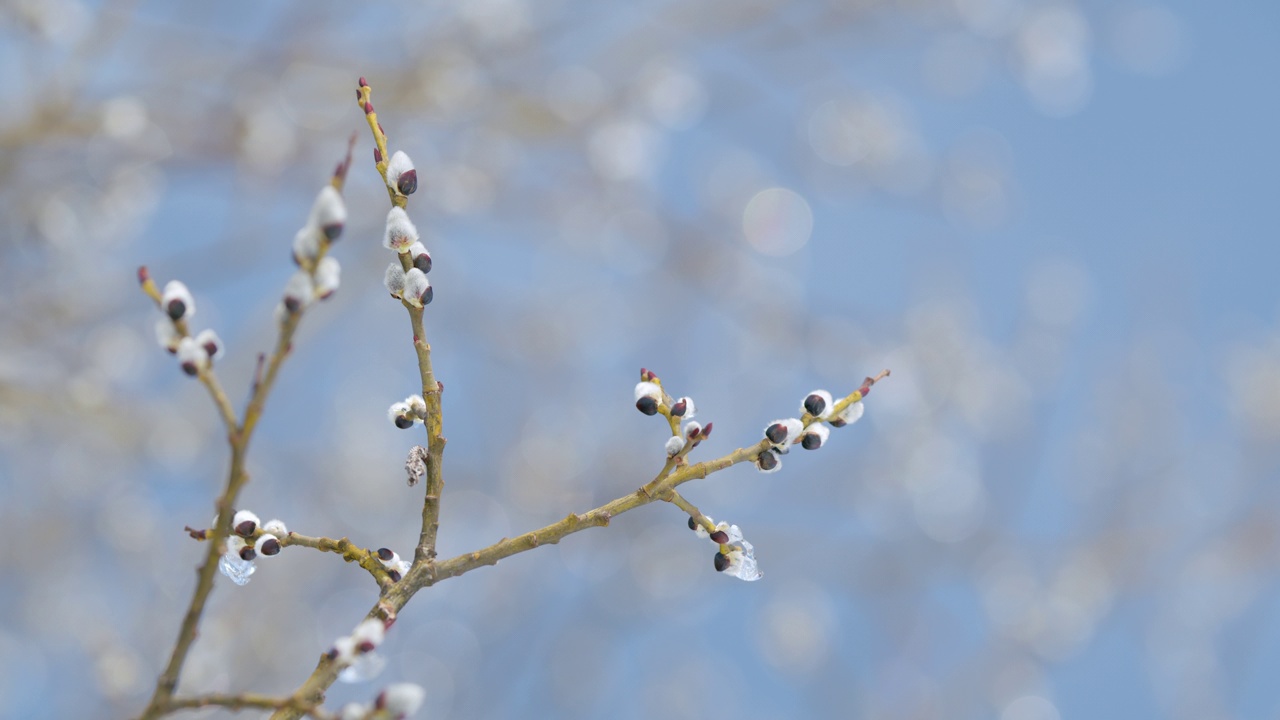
x=401, y=700
x=421, y=258
x=417, y=288
x=818, y=404
x=768, y=461
x=849, y=415
x=393, y=279
x=401, y=175
x=387, y=556
x=167, y=335
x=244, y=523
x=814, y=436
x=781, y=432
x=267, y=544
x=329, y=212
x=176, y=301
x=648, y=397
x=192, y=356
x=354, y=711
x=237, y=569
x=369, y=634
x=211, y=343
x=742, y=558
x=720, y=537
x=675, y=445
x=401, y=233
x=417, y=406
x=298, y=292
x=275, y=527
x=399, y=414
x=306, y=245
x=328, y=276
x=722, y=562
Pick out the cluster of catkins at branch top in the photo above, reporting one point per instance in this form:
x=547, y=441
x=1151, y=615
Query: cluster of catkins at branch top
x=249, y=539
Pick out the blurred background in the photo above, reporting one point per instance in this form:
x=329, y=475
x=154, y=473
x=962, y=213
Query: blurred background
x=1048, y=218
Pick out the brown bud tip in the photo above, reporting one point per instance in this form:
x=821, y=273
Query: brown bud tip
x=385, y=554
x=811, y=441
x=407, y=183
x=394, y=575
x=679, y=408
x=247, y=553
x=767, y=460
x=271, y=547
x=368, y=107
x=423, y=262
x=332, y=654
x=190, y=369
x=837, y=422
x=246, y=528
x=359, y=95
x=720, y=537
x=377, y=155
x=143, y=275
x=815, y=404
x=722, y=562
x=384, y=132
x=706, y=430
x=366, y=646
x=644, y=374
x=865, y=389
x=647, y=405
x=364, y=83
x=693, y=524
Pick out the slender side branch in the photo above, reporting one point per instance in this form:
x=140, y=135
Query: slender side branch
x=242, y=701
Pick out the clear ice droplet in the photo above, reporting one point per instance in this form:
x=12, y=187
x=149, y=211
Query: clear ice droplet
x=235, y=568
x=742, y=563
x=363, y=669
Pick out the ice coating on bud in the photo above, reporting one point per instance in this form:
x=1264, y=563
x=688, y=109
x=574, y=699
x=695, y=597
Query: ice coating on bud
x=401, y=233
x=393, y=279
x=275, y=527
x=675, y=445
x=401, y=699
x=814, y=436
x=417, y=288
x=298, y=292
x=244, y=522
x=818, y=404
x=237, y=569
x=328, y=276
x=267, y=544
x=742, y=559
x=328, y=212
x=176, y=300
x=167, y=335
x=211, y=343
x=192, y=356
x=401, y=175
x=421, y=258
x=849, y=415
x=780, y=432
x=306, y=245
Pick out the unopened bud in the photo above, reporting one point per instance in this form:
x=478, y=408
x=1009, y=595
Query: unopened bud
x=244, y=522
x=176, y=301
x=267, y=545
x=401, y=175
x=722, y=562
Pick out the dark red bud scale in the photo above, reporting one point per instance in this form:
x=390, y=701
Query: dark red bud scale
x=211, y=348
x=693, y=524
x=247, y=553
x=679, y=408
x=647, y=405
x=377, y=155
x=404, y=422
x=837, y=422
x=366, y=646
x=815, y=404
x=428, y=295
x=246, y=528
x=423, y=262
x=143, y=275
x=811, y=441
x=368, y=108
x=292, y=304
x=706, y=430
x=359, y=94
x=333, y=231
x=385, y=554
x=364, y=83
x=721, y=537
x=776, y=433
x=407, y=183
x=722, y=562
x=767, y=460
x=176, y=309
x=271, y=547
x=190, y=369
x=394, y=575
